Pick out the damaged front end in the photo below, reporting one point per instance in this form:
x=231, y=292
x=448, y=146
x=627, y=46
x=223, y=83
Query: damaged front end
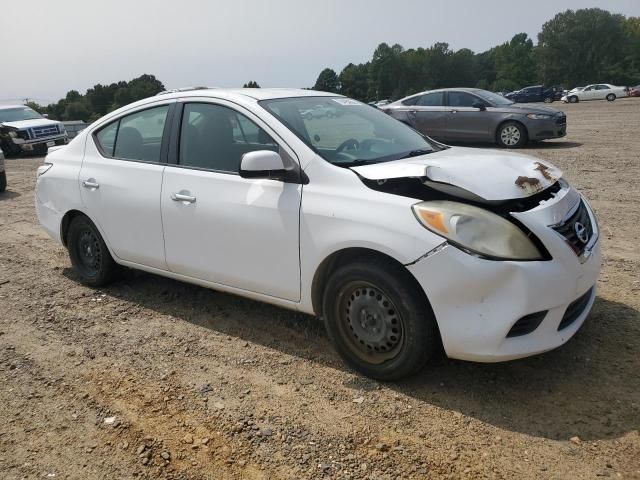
x=472, y=198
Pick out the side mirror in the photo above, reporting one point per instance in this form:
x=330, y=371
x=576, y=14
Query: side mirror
x=479, y=106
x=262, y=164
x=45, y=115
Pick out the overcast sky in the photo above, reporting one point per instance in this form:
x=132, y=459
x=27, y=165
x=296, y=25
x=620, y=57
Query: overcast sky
x=52, y=46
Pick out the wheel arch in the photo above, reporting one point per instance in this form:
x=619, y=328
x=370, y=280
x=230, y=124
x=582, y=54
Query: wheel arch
x=342, y=257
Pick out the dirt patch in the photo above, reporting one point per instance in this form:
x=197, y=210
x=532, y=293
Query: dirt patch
x=152, y=378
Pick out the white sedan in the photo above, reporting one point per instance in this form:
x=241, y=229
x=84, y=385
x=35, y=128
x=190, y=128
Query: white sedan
x=400, y=243
x=597, y=91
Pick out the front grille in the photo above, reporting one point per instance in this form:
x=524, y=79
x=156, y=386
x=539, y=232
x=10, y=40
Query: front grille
x=577, y=229
x=574, y=310
x=43, y=132
x=526, y=324
x=562, y=120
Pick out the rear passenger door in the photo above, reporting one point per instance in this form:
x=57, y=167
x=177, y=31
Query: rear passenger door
x=428, y=114
x=464, y=122
x=601, y=92
x=120, y=181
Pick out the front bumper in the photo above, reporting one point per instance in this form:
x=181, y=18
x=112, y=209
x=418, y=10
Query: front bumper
x=476, y=302
x=555, y=127
x=41, y=144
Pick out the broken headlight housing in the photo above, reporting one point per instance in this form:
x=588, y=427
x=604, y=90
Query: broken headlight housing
x=476, y=230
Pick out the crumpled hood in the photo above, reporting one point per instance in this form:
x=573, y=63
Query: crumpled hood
x=35, y=122
x=492, y=175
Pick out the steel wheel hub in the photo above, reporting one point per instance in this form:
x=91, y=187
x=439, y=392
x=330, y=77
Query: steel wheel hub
x=510, y=135
x=374, y=325
x=89, y=250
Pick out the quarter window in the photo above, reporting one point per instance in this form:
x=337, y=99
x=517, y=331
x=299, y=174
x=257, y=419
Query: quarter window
x=435, y=99
x=107, y=138
x=214, y=137
x=135, y=137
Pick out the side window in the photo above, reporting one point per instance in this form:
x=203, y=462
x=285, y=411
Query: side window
x=214, y=137
x=431, y=100
x=107, y=138
x=411, y=101
x=602, y=87
x=461, y=99
x=135, y=137
x=140, y=135
x=589, y=88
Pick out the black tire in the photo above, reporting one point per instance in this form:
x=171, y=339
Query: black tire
x=373, y=304
x=3, y=181
x=611, y=97
x=89, y=254
x=573, y=99
x=548, y=100
x=10, y=149
x=511, y=135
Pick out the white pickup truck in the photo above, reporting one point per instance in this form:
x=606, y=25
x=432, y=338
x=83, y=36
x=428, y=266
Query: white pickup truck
x=22, y=129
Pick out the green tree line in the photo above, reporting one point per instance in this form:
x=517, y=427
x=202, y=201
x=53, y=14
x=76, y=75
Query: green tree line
x=574, y=48
x=101, y=99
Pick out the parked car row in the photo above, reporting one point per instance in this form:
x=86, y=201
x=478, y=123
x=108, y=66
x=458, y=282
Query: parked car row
x=22, y=129
x=475, y=115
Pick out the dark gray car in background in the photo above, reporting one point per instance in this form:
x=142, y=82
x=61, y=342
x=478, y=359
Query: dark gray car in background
x=475, y=115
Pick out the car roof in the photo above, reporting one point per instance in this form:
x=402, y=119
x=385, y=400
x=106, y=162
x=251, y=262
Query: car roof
x=255, y=93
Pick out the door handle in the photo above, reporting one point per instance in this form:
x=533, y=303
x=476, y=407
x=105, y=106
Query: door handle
x=413, y=111
x=90, y=183
x=454, y=111
x=181, y=197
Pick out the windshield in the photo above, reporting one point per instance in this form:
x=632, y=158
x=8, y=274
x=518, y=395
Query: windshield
x=17, y=114
x=346, y=132
x=493, y=98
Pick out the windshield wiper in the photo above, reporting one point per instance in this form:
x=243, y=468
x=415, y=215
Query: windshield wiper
x=416, y=153
x=359, y=161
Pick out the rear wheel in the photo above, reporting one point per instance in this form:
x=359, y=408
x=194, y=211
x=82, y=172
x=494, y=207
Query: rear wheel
x=89, y=254
x=512, y=135
x=3, y=181
x=611, y=97
x=548, y=100
x=379, y=319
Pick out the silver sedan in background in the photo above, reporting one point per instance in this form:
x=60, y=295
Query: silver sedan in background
x=475, y=115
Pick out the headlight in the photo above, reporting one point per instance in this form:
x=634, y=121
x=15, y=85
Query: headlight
x=476, y=230
x=13, y=134
x=61, y=128
x=538, y=116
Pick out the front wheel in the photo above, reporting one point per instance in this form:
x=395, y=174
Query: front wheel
x=548, y=100
x=3, y=181
x=379, y=319
x=89, y=254
x=511, y=135
x=573, y=99
x=611, y=97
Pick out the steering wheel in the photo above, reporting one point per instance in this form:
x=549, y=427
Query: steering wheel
x=346, y=143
